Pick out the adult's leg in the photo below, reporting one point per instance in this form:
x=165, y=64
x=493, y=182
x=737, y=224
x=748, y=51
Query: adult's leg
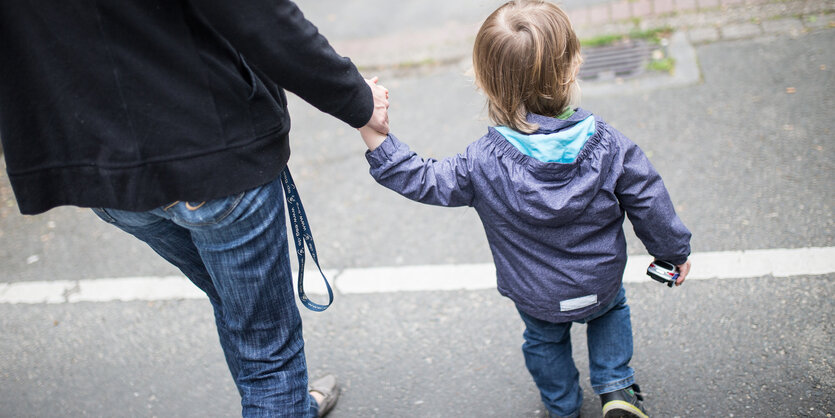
x=173, y=243
x=547, y=350
x=609, y=336
x=242, y=243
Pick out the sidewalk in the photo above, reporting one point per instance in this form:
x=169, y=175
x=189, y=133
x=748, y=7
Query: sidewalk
x=702, y=20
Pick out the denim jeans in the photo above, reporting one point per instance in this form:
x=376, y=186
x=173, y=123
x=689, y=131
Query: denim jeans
x=547, y=351
x=235, y=250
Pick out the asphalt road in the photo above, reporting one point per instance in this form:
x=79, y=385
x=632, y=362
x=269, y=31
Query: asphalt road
x=759, y=347
x=748, y=162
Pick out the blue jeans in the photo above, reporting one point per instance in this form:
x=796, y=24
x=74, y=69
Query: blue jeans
x=547, y=351
x=235, y=250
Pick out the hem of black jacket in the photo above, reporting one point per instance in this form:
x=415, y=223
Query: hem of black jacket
x=154, y=184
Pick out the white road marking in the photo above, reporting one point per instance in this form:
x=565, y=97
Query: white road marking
x=709, y=265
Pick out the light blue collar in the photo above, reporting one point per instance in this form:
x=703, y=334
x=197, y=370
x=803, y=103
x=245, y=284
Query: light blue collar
x=557, y=147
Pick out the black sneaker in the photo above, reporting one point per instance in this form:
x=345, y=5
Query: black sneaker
x=624, y=403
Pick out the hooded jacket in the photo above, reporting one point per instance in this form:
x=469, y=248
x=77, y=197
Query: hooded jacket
x=555, y=229
x=133, y=104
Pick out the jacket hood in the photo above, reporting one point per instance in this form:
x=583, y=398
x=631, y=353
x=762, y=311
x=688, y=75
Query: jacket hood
x=560, y=146
x=553, y=193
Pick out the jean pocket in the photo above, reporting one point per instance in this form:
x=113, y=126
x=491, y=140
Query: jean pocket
x=250, y=76
x=102, y=213
x=205, y=213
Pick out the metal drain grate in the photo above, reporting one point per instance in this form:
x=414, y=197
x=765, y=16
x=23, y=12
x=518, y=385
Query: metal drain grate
x=623, y=60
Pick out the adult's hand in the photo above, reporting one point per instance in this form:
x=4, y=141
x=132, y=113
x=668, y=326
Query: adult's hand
x=380, y=118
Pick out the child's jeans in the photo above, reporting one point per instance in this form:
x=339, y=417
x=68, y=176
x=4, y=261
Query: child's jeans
x=547, y=350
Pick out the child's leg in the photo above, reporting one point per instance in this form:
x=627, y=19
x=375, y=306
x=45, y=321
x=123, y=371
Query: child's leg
x=610, y=347
x=547, y=351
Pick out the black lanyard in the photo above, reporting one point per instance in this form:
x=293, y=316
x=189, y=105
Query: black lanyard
x=302, y=234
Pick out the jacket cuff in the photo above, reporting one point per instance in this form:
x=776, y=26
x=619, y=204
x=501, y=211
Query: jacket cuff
x=384, y=152
x=677, y=260
x=359, y=116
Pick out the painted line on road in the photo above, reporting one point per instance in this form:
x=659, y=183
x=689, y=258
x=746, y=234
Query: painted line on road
x=708, y=265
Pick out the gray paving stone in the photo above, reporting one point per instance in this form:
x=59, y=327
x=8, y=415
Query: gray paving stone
x=703, y=35
x=792, y=26
x=740, y=31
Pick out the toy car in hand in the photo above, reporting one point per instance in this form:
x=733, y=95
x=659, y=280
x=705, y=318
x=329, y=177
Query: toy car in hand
x=663, y=271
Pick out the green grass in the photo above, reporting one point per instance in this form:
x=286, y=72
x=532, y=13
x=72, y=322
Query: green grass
x=650, y=35
x=664, y=64
x=603, y=40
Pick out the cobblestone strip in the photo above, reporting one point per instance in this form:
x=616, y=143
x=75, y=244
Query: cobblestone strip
x=706, y=20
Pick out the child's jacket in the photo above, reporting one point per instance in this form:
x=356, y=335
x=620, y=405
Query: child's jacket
x=555, y=229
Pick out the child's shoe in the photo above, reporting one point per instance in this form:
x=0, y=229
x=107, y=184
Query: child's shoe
x=624, y=403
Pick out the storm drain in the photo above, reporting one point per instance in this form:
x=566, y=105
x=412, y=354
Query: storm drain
x=622, y=60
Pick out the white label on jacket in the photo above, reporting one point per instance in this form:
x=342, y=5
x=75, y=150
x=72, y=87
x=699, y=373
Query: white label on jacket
x=577, y=303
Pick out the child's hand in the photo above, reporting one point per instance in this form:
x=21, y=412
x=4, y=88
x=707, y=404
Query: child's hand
x=683, y=269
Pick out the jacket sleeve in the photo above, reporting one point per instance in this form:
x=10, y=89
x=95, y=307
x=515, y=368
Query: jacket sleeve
x=647, y=203
x=442, y=183
x=274, y=36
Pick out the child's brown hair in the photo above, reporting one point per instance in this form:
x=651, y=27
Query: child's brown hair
x=525, y=59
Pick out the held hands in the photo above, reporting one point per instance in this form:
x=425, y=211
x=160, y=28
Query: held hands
x=375, y=131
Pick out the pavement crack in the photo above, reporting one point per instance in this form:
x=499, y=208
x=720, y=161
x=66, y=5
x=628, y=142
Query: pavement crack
x=73, y=290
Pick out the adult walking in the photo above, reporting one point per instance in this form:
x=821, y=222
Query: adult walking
x=169, y=119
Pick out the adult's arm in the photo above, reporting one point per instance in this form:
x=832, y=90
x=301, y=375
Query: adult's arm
x=274, y=36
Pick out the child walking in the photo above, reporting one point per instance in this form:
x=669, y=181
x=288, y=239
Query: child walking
x=552, y=184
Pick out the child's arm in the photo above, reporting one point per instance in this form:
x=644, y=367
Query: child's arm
x=372, y=138
x=443, y=183
x=646, y=201
x=395, y=166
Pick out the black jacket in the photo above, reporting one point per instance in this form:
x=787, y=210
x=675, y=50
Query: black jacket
x=133, y=104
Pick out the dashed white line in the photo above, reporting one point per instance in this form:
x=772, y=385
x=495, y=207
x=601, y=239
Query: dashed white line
x=708, y=265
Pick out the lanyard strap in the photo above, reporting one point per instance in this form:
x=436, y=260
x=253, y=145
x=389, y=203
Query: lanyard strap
x=302, y=234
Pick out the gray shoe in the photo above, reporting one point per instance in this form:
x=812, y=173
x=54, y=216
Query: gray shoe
x=624, y=403
x=328, y=388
